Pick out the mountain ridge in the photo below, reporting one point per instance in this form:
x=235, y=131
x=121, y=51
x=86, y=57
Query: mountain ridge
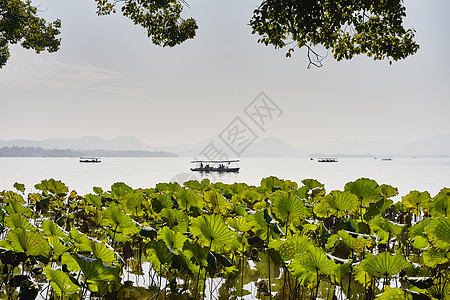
x=434, y=146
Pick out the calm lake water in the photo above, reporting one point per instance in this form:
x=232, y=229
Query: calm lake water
x=423, y=174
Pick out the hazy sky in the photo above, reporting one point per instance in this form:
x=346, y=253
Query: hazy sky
x=108, y=79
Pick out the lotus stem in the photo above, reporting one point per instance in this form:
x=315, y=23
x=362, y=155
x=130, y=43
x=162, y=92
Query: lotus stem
x=268, y=260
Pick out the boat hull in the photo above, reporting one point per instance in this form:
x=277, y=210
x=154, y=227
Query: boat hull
x=218, y=170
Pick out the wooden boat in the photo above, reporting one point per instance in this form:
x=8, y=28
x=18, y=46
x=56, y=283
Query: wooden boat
x=90, y=160
x=328, y=159
x=220, y=166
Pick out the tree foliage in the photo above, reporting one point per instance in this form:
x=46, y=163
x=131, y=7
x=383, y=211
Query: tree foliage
x=346, y=27
x=19, y=23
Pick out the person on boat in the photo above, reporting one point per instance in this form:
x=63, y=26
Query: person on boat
x=201, y=165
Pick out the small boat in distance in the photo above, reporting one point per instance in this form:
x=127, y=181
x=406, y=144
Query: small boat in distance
x=90, y=160
x=221, y=166
x=327, y=159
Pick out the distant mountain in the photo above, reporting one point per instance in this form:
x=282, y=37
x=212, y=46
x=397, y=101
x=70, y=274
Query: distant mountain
x=121, y=143
x=268, y=147
x=39, y=152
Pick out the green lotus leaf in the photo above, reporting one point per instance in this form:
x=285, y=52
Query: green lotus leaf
x=388, y=191
x=211, y=231
x=250, y=196
x=366, y=189
x=377, y=208
x=241, y=224
x=384, y=264
x=119, y=221
x=384, y=228
x=313, y=188
x=438, y=232
x=394, y=294
x=17, y=221
x=271, y=184
x=176, y=219
x=440, y=205
x=362, y=276
x=15, y=202
x=97, y=190
x=196, y=254
x=51, y=228
x=261, y=227
x=358, y=244
x=58, y=247
x=93, y=200
x=19, y=186
x=193, y=185
x=103, y=252
x=61, y=282
x=120, y=189
x=287, y=206
x=416, y=234
x=12, y=196
x=309, y=265
x=217, y=203
x=187, y=198
x=416, y=200
x=132, y=202
x=71, y=263
x=290, y=247
x=159, y=255
x=96, y=270
x=173, y=239
x=30, y=242
x=52, y=186
x=337, y=204
x=433, y=257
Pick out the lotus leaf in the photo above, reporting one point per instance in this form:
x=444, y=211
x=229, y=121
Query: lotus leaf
x=217, y=203
x=440, y=205
x=271, y=184
x=366, y=189
x=61, y=282
x=416, y=200
x=394, y=294
x=159, y=255
x=17, y=221
x=120, y=189
x=19, y=186
x=58, y=247
x=309, y=265
x=52, y=186
x=261, y=227
x=384, y=264
x=30, y=242
x=388, y=191
x=357, y=244
x=51, y=228
x=132, y=202
x=287, y=206
x=96, y=270
x=290, y=247
x=93, y=200
x=173, y=239
x=176, y=219
x=438, y=232
x=119, y=221
x=187, y=198
x=241, y=224
x=338, y=204
x=211, y=231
